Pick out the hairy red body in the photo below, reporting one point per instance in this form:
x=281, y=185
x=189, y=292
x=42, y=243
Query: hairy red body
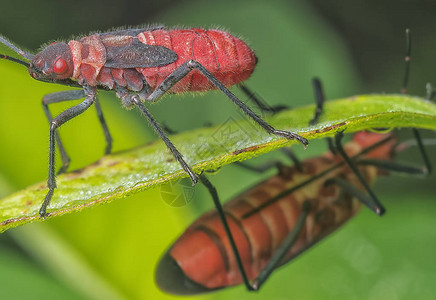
x=228, y=58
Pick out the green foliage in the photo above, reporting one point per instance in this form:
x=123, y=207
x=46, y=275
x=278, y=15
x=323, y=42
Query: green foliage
x=120, y=244
x=121, y=174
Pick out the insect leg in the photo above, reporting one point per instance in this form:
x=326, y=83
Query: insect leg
x=353, y=191
x=261, y=103
x=427, y=164
x=281, y=252
x=188, y=66
x=331, y=145
x=398, y=167
x=393, y=166
x=320, y=99
x=291, y=155
x=68, y=96
x=219, y=208
x=56, y=98
x=168, y=129
x=107, y=134
x=54, y=124
x=137, y=101
x=430, y=94
x=375, y=204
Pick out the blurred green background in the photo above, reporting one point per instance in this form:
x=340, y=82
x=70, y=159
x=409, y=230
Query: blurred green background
x=110, y=252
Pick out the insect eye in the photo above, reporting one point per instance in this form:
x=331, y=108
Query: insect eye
x=60, y=66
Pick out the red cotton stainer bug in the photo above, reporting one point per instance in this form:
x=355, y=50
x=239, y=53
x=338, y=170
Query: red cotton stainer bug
x=140, y=64
x=278, y=219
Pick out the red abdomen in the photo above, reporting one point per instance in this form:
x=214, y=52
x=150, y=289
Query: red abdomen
x=228, y=58
x=203, y=252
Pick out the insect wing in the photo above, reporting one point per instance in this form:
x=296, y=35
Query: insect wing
x=138, y=55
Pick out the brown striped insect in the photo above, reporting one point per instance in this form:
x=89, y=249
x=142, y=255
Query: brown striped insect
x=140, y=64
x=278, y=219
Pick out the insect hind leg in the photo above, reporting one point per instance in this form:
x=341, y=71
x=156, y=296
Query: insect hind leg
x=425, y=170
x=188, y=66
x=134, y=99
x=260, y=103
x=374, y=204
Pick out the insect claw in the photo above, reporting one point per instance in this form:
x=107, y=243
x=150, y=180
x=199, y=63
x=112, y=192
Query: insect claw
x=254, y=287
x=380, y=211
x=193, y=176
x=292, y=136
x=301, y=139
x=43, y=213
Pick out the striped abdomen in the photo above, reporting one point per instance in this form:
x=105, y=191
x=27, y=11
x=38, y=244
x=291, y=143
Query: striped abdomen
x=203, y=251
x=225, y=56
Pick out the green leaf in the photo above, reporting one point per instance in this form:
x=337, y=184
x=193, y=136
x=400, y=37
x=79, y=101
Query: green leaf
x=114, y=176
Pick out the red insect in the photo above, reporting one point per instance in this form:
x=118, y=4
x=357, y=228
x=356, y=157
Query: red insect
x=286, y=213
x=140, y=64
x=281, y=217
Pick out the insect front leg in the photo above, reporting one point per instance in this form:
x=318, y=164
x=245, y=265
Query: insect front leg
x=54, y=124
x=69, y=96
x=188, y=66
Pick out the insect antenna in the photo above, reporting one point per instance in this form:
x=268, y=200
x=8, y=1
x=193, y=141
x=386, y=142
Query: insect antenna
x=430, y=94
x=407, y=60
x=23, y=53
x=22, y=62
